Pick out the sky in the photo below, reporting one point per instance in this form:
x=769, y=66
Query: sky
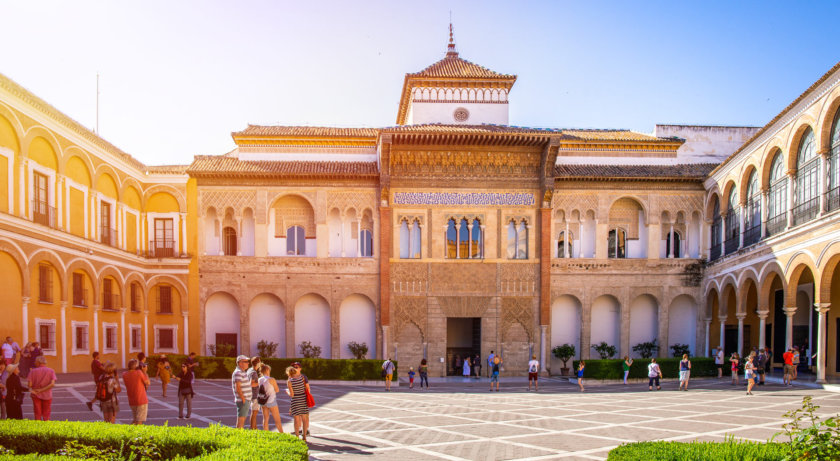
x=177, y=77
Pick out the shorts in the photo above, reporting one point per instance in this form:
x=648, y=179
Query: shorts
x=254, y=405
x=270, y=404
x=138, y=412
x=684, y=375
x=494, y=377
x=719, y=366
x=242, y=409
x=388, y=376
x=789, y=369
x=532, y=376
x=109, y=406
x=652, y=380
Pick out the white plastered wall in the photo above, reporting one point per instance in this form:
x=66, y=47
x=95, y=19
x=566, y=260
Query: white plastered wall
x=357, y=317
x=605, y=323
x=312, y=323
x=682, y=324
x=268, y=323
x=565, y=324
x=221, y=316
x=644, y=325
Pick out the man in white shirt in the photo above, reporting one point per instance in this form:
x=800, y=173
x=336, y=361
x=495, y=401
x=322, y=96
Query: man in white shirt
x=533, y=373
x=719, y=362
x=10, y=351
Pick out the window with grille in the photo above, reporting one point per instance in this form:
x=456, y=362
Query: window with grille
x=46, y=335
x=107, y=295
x=40, y=199
x=136, y=338
x=164, y=299
x=807, y=179
x=110, y=337
x=229, y=241
x=135, y=301
x=45, y=283
x=80, y=337
x=617, y=243
x=79, y=298
x=166, y=338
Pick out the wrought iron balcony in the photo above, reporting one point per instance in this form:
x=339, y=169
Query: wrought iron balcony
x=80, y=297
x=832, y=199
x=109, y=236
x=110, y=301
x=752, y=235
x=731, y=245
x=714, y=251
x=161, y=249
x=806, y=211
x=775, y=224
x=43, y=214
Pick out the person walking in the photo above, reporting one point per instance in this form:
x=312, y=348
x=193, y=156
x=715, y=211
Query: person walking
x=35, y=352
x=41, y=380
x=424, y=373
x=466, y=367
x=761, y=365
x=299, y=369
x=142, y=365
x=14, y=393
x=719, y=362
x=625, y=366
x=533, y=373
x=735, y=362
x=164, y=372
x=749, y=374
x=241, y=384
x=788, y=370
x=685, y=372
x=107, y=389
x=796, y=361
x=185, y=390
x=254, y=376
x=581, y=367
x=4, y=375
x=494, y=373
x=96, y=369
x=411, y=377
x=297, y=390
x=268, y=388
x=654, y=374
x=136, y=382
x=477, y=366
x=10, y=350
x=388, y=373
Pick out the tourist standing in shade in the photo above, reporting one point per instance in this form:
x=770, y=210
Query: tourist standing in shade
x=719, y=362
x=25, y=362
x=534, y=373
x=136, y=382
x=164, y=372
x=761, y=365
x=241, y=384
x=270, y=408
x=654, y=374
x=185, y=390
x=466, y=367
x=96, y=369
x=424, y=373
x=108, y=401
x=14, y=393
x=625, y=366
x=735, y=362
x=685, y=372
x=796, y=361
x=41, y=380
x=297, y=389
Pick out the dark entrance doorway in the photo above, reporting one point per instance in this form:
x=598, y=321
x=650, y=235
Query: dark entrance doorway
x=463, y=339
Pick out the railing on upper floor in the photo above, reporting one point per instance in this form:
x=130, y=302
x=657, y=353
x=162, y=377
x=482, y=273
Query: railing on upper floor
x=806, y=211
x=43, y=213
x=109, y=236
x=775, y=224
x=832, y=199
x=731, y=244
x=714, y=252
x=80, y=297
x=161, y=249
x=752, y=235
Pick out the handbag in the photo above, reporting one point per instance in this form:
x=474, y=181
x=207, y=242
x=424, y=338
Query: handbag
x=310, y=402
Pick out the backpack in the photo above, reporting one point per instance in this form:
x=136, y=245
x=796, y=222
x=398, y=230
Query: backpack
x=262, y=396
x=102, y=392
x=533, y=369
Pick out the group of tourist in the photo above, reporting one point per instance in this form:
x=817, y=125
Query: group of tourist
x=654, y=373
x=29, y=364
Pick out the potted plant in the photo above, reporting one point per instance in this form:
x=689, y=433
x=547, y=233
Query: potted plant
x=564, y=353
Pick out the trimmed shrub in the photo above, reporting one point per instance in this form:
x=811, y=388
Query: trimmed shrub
x=328, y=369
x=699, y=451
x=28, y=437
x=611, y=369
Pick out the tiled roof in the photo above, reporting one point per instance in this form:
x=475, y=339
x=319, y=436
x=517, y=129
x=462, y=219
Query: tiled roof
x=566, y=134
x=613, y=135
x=682, y=172
x=455, y=67
x=264, y=130
x=176, y=169
x=221, y=165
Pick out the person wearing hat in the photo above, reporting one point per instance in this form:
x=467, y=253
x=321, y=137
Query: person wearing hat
x=297, y=367
x=164, y=372
x=241, y=384
x=14, y=393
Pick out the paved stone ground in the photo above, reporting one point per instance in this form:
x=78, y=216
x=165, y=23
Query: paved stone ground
x=457, y=421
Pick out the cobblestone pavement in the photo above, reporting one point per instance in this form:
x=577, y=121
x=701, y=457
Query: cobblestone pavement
x=457, y=421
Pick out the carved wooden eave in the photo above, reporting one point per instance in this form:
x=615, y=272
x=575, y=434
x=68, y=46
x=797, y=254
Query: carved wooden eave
x=471, y=139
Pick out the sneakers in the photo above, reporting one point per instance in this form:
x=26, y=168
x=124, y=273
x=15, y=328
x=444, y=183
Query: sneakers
x=89, y=405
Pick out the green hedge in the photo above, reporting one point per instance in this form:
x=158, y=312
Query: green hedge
x=212, y=443
x=611, y=369
x=699, y=451
x=332, y=369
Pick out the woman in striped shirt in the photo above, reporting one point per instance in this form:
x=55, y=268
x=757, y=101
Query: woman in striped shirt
x=297, y=390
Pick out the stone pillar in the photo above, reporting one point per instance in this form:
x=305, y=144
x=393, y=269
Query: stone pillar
x=469, y=240
x=385, y=339
x=145, y=345
x=359, y=237
x=671, y=241
x=708, y=322
x=186, y=316
x=123, y=343
x=221, y=233
x=654, y=240
x=762, y=325
x=543, y=348
x=63, y=347
x=566, y=246
x=95, y=327
x=765, y=200
x=740, y=318
x=601, y=233
x=238, y=237
x=385, y=247
x=822, y=309
x=791, y=197
x=823, y=179
x=741, y=227
x=789, y=311
x=343, y=236
x=722, y=332
x=24, y=311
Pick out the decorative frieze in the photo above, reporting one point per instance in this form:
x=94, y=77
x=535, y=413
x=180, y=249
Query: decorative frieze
x=468, y=199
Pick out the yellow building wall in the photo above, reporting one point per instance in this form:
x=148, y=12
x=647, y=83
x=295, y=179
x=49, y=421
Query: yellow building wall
x=78, y=171
x=77, y=218
x=132, y=198
x=11, y=288
x=110, y=317
x=106, y=186
x=162, y=202
x=130, y=233
x=42, y=152
x=8, y=139
x=4, y=184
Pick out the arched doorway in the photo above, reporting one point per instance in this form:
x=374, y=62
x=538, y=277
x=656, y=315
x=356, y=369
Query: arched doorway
x=357, y=323
x=221, y=320
x=682, y=323
x=644, y=322
x=312, y=323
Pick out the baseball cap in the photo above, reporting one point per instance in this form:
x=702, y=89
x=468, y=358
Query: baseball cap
x=241, y=358
x=296, y=364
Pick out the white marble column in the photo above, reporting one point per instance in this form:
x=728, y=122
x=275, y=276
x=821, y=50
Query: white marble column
x=765, y=200
x=671, y=241
x=740, y=318
x=543, y=347
x=24, y=311
x=822, y=309
x=358, y=238
x=123, y=341
x=722, y=332
x=762, y=325
x=146, y=331
x=567, y=247
x=63, y=347
x=95, y=327
x=708, y=322
x=791, y=198
x=469, y=240
x=789, y=312
x=186, y=316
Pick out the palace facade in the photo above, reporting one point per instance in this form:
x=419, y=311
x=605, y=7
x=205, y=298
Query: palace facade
x=451, y=233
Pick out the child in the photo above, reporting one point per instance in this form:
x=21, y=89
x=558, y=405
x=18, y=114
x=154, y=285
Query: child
x=411, y=377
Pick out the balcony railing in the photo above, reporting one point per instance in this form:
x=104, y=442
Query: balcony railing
x=161, y=249
x=43, y=214
x=775, y=224
x=109, y=236
x=806, y=211
x=832, y=199
x=731, y=245
x=714, y=251
x=752, y=235
x=110, y=301
x=80, y=297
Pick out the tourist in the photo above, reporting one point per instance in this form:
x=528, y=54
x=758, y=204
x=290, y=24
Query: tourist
x=654, y=374
x=494, y=373
x=735, y=361
x=269, y=386
x=41, y=380
x=788, y=371
x=96, y=369
x=35, y=352
x=192, y=361
x=795, y=362
x=466, y=367
x=533, y=373
x=685, y=372
x=26, y=360
x=297, y=390
x=297, y=367
x=411, y=377
x=136, y=382
x=477, y=366
x=10, y=349
x=164, y=372
x=254, y=376
x=749, y=373
x=142, y=365
x=490, y=363
x=388, y=372
x=241, y=384
x=3, y=376
x=185, y=390
x=458, y=365
x=761, y=364
x=580, y=369
x=719, y=362
x=424, y=373
x=110, y=387
x=14, y=393
x=625, y=366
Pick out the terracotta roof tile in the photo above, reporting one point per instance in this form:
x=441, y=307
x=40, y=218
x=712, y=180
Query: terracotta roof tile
x=220, y=165
x=681, y=172
x=172, y=169
x=456, y=67
x=567, y=134
x=278, y=130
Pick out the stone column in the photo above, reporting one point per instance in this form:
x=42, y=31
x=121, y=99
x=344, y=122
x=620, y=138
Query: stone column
x=543, y=348
x=123, y=343
x=741, y=228
x=789, y=311
x=63, y=326
x=762, y=323
x=146, y=331
x=358, y=237
x=723, y=229
x=740, y=318
x=791, y=197
x=708, y=322
x=469, y=240
x=24, y=310
x=23, y=172
x=822, y=309
x=343, y=236
x=480, y=242
x=385, y=340
x=186, y=316
x=671, y=240
x=765, y=200
x=566, y=246
x=601, y=233
x=722, y=332
x=823, y=186
x=95, y=327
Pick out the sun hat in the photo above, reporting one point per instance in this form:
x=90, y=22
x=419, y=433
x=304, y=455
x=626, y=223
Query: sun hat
x=241, y=358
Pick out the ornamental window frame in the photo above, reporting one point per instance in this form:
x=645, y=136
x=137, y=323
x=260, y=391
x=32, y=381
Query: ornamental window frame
x=807, y=171
x=80, y=338
x=410, y=237
x=518, y=236
x=561, y=244
x=110, y=327
x=617, y=243
x=170, y=350
x=132, y=328
x=48, y=347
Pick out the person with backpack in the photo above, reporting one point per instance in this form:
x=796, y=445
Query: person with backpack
x=494, y=373
x=388, y=373
x=533, y=373
x=185, y=390
x=267, y=397
x=107, y=388
x=96, y=369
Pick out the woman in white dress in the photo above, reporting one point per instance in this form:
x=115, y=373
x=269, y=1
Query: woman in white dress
x=466, y=372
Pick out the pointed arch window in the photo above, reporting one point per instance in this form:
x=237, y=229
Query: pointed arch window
x=476, y=240
x=673, y=244
x=807, y=180
x=564, y=246
x=833, y=199
x=752, y=213
x=517, y=240
x=733, y=224
x=617, y=243
x=229, y=241
x=714, y=251
x=777, y=199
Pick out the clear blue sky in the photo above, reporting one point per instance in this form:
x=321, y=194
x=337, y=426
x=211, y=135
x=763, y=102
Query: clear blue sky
x=178, y=76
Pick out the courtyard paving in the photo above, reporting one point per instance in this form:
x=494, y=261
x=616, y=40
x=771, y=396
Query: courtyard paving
x=458, y=420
